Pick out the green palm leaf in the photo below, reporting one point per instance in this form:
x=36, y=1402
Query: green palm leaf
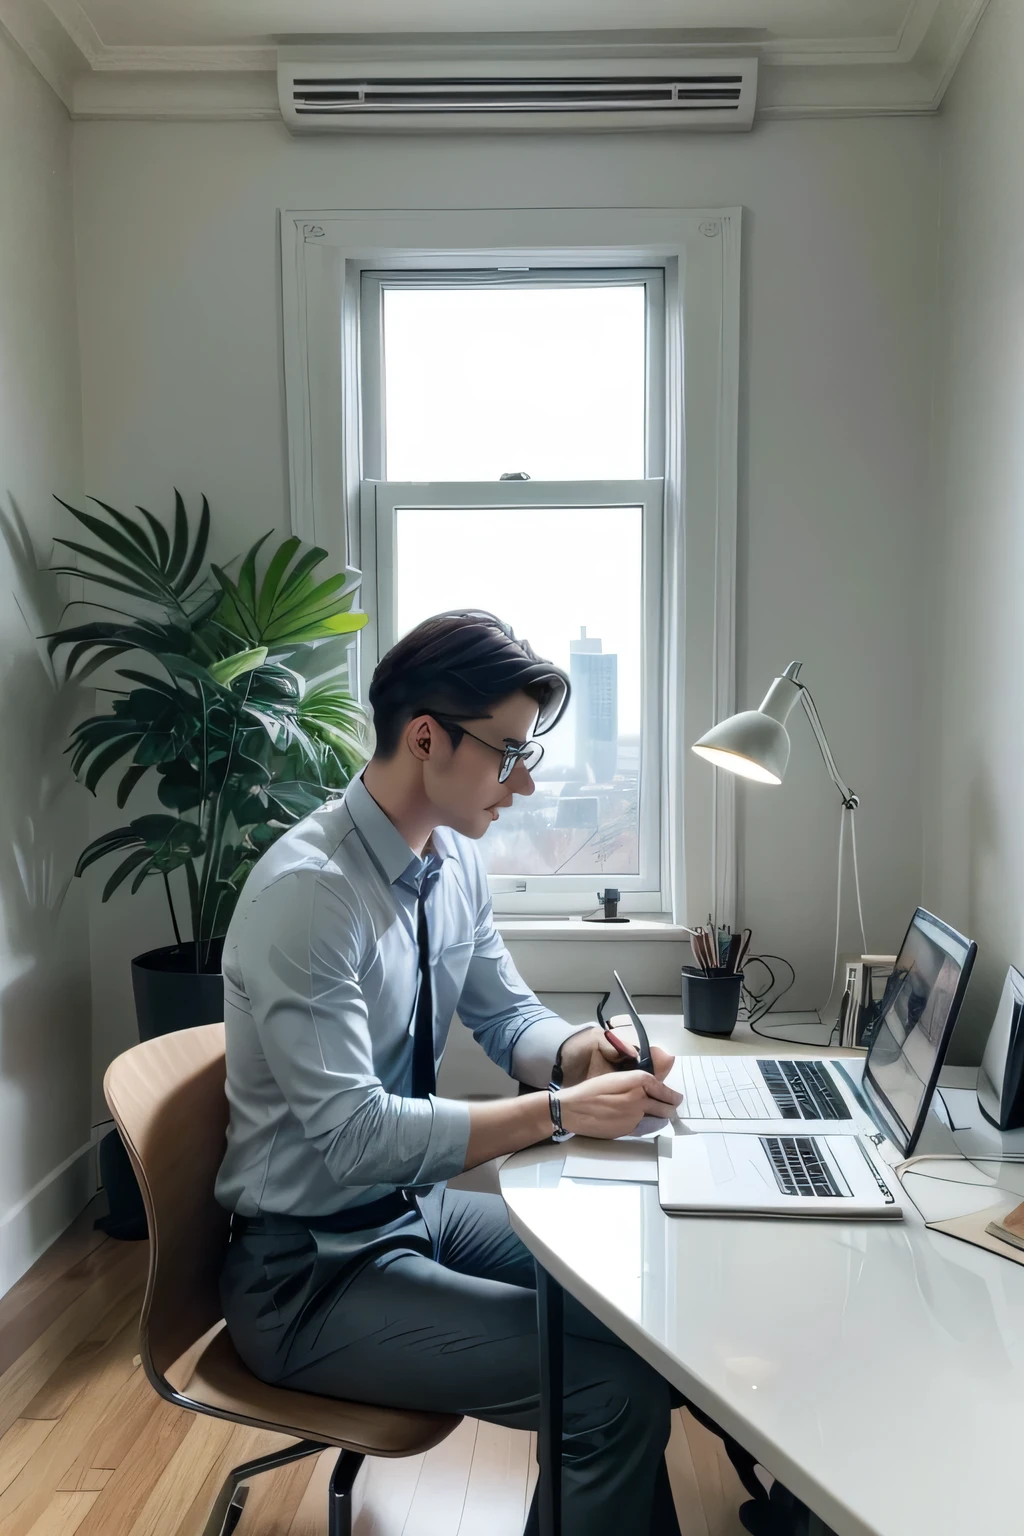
x=225, y=672
x=242, y=744
x=140, y=555
x=286, y=607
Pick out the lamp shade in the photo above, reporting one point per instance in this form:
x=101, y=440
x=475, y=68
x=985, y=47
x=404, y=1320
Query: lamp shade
x=750, y=744
x=755, y=743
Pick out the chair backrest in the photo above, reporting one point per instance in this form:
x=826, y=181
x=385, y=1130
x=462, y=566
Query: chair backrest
x=167, y=1097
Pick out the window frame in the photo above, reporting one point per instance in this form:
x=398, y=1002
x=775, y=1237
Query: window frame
x=544, y=895
x=323, y=252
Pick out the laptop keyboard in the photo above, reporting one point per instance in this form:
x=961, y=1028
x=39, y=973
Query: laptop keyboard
x=799, y=1167
x=724, y=1088
x=803, y=1090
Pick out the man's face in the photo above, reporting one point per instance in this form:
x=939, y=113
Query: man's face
x=462, y=782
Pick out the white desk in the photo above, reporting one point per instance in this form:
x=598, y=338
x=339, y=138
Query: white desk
x=876, y=1369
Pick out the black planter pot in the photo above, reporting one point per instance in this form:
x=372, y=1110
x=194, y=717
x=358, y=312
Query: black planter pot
x=169, y=995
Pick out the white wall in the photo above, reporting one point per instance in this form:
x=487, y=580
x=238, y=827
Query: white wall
x=44, y=980
x=974, y=827
x=181, y=354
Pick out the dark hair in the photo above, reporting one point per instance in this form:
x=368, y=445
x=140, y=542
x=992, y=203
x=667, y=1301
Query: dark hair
x=459, y=664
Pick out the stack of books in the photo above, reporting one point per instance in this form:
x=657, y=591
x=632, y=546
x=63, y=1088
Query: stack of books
x=861, y=999
x=1011, y=1228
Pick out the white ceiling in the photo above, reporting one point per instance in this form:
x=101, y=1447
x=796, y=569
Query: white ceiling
x=217, y=58
x=179, y=23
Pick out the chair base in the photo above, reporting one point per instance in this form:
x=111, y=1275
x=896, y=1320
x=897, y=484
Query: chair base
x=230, y=1501
x=339, y=1495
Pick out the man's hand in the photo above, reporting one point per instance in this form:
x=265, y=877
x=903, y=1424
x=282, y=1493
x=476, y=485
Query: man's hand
x=591, y=1054
x=614, y=1103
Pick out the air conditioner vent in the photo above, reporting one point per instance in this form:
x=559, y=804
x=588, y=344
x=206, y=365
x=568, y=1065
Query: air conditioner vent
x=708, y=94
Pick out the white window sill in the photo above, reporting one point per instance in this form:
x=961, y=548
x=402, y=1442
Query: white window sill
x=559, y=929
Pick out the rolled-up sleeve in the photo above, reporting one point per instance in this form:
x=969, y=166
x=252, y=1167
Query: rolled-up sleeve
x=312, y=1020
x=507, y=1018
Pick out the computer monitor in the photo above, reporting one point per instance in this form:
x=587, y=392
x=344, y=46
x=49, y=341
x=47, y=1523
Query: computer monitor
x=915, y=1021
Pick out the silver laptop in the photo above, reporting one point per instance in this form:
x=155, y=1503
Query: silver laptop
x=804, y=1133
x=709, y=1174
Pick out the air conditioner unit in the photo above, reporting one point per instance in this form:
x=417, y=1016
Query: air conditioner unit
x=323, y=89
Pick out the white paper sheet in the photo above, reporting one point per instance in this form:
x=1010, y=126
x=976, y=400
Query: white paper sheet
x=625, y=1162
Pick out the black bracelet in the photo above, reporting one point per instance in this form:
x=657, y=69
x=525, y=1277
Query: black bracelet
x=555, y=1110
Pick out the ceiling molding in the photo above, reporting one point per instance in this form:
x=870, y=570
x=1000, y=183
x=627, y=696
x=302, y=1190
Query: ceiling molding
x=904, y=73
x=201, y=96
x=46, y=42
x=251, y=58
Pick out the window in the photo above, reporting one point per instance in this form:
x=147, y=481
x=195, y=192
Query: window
x=339, y=267
x=552, y=378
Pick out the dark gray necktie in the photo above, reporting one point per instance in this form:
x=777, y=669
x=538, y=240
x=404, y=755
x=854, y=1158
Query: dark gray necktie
x=423, y=1078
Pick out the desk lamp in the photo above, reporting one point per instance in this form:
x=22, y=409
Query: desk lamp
x=755, y=745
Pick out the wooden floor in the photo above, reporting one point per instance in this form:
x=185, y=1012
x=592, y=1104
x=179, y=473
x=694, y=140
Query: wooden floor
x=86, y=1446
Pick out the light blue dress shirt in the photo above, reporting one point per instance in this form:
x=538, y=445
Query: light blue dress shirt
x=321, y=971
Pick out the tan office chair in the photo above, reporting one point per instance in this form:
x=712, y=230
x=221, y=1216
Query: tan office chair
x=167, y=1097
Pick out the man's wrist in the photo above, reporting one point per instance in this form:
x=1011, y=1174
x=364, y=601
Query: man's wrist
x=558, y=1130
x=540, y=1114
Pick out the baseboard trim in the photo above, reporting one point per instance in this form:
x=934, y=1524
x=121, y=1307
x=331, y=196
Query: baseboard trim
x=47, y=1210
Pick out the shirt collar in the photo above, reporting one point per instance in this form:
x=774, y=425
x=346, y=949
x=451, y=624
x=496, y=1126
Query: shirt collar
x=387, y=845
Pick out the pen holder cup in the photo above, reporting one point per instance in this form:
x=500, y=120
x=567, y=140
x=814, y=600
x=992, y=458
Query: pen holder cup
x=711, y=1004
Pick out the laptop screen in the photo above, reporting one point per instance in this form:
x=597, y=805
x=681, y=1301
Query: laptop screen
x=915, y=1021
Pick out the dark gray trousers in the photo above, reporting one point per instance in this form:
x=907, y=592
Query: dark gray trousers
x=442, y=1316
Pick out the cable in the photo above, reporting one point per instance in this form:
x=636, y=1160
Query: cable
x=839, y=903
x=908, y=1167
x=847, y=809
x=856, y=882
x=755, y=1005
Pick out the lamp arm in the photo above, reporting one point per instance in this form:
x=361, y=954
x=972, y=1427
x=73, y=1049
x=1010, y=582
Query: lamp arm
x=850, y=800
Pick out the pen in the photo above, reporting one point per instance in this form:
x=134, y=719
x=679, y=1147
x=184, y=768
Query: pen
x=623, y=1049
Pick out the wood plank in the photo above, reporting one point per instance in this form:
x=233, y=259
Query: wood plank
x=57, y=1394
x=242, y=1444
x=209, y=1448
x=140, y=1468
x=25, y=1499
x=274, y=1499
x=532, y=1473
x=64, y=1514
x=683, y=1477
x=443, y=1484
x=18, y=1446
x=497, y=1482
x=52, y=1269
x=116, y=1432
x=31, y=1320
x=311, y=1515
x=733, y=1492
x=720, y=1496
x=383, y=1495
x=93, y=1481
x=74, y=1372
x=32, y=1369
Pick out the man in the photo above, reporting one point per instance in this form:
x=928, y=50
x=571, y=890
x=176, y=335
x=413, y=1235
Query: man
x=352, y=1270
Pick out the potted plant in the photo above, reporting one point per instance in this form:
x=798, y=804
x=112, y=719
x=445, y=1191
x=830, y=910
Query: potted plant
x=232, y=709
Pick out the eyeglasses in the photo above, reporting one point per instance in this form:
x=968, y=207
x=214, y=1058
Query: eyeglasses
x=529, y=754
